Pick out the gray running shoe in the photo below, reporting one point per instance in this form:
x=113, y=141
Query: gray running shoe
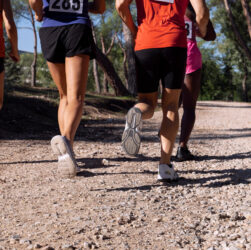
x=131, y=136
x=67, y=165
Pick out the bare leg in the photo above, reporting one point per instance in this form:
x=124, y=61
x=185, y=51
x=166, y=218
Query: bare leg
x=1, y=89
x=57, y=71
x=147, y=104
x=190, y=93
x=76, y=75
x=170, y=123
x=70, y=79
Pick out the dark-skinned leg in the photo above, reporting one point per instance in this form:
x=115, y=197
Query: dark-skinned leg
x=190, y=93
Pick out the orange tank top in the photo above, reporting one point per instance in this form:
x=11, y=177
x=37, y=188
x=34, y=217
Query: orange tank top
x=2, y=47
x=161, y=24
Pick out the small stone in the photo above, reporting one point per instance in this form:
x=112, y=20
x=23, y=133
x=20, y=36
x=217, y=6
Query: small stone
x=48, y=248
x=157, y=219
x=105, y=162
x=234, y=237
x=87, y=245
x=36, y=246
x=12, y=241
x=24, y=242
x=68, y=247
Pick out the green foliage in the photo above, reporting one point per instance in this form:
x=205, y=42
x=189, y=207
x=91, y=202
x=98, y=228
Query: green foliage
x=231, y=58
x=43, y=75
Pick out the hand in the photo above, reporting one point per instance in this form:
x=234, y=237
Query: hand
x=14, y=55
x=39, y=17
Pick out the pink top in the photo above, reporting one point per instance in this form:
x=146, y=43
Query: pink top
x=194, y=61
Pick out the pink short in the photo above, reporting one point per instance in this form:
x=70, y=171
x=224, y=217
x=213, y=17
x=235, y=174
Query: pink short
x=194, y=61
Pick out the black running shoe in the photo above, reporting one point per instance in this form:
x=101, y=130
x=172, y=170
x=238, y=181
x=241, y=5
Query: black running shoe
x=183, y=154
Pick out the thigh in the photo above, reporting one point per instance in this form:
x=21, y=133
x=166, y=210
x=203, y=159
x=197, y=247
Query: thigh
x=148, y=73
x=76, y=68
x=173, y=67
x=57, y=71
x=191, y=89
x=170, y=99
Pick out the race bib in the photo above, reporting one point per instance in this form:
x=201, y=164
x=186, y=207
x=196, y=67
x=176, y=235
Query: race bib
x=70, y=6
x=165, y=1
x=189, y=28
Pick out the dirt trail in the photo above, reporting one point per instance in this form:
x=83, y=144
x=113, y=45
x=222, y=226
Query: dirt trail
x=116, y=203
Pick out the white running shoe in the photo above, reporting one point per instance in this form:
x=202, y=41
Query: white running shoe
x=67, y=165
x=167, y=173
x=131, y=136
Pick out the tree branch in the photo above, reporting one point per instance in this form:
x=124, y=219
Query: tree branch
x=247, y=14
x=111, y=45
x=236, y=31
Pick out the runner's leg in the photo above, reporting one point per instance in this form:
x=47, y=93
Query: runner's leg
x=170, y=123
x=147, y=103
x=190, y=93
x=76, y=77
x=131, y=137
x=57, y=71
x=74, y=72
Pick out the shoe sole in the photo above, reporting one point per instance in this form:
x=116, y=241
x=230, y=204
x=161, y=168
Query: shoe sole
x=178, y=159
x=131, y=138
x=167, y=180
x=66, y=165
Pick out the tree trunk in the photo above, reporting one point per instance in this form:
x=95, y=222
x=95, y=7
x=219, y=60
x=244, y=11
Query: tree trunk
x=236, y=31
x=95, y=74
x=247, y=14
x=105, y=85
x=130, y=56
x=110, y=73
x=124, y=60
x=95, y=68
x=34, y=62
x=244, y=85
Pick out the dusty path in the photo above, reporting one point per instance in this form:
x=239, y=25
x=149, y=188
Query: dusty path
x=116, y=203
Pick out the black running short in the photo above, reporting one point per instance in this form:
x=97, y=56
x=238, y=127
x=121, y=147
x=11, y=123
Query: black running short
x=66, y=41
x=1, y=64
x=165, y=64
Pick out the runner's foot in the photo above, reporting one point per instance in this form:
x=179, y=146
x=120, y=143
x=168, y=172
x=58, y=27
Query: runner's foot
x=67, y=165
x=167, y=173
x=131, y=136
x=183, y=154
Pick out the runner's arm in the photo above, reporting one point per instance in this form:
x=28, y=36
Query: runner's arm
x=211, y=35
x=97, y=7
x=202, y=15
x=190, y=15
x=37, y=6
x=123, y=9
x=11, y=29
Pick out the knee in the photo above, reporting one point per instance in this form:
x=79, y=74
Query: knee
x=63, y=98
x=173, y=107
x=76, y=101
